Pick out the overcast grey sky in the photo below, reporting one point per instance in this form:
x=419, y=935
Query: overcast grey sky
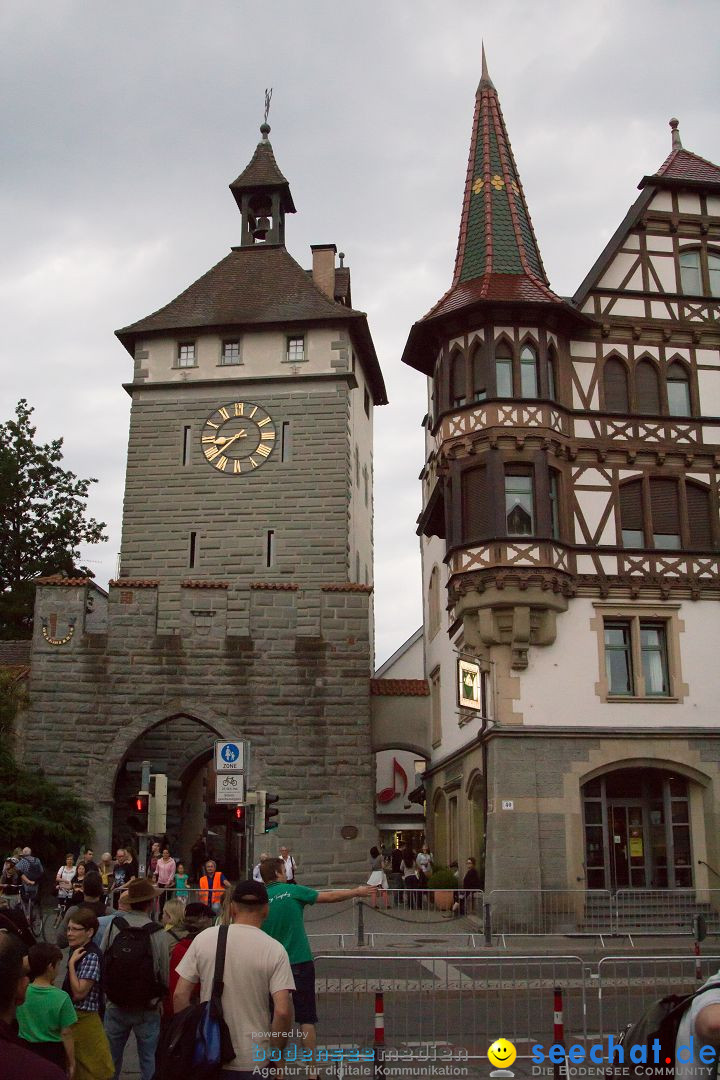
x=122, y=125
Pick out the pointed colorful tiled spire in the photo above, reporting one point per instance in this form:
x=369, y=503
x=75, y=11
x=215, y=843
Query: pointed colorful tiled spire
x=497, y=254
x=496, y=235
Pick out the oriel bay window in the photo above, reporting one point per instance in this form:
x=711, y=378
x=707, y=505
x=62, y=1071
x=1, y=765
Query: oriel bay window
x=498, y=499
x=666, y=514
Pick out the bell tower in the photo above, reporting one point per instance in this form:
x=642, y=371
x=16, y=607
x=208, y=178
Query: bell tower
x=263, y=197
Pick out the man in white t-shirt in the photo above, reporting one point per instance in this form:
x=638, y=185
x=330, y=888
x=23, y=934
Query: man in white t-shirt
x=701, y=1023
x=290, y=865
x=256, y=969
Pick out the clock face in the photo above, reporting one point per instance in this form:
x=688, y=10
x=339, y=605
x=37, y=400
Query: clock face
x=238, y=438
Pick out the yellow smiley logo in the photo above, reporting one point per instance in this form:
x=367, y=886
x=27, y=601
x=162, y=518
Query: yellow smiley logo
x=502, y=1053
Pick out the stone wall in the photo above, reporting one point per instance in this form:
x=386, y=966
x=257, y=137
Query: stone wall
x=284, y=666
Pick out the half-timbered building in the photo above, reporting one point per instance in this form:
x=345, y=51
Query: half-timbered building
x=570, y=537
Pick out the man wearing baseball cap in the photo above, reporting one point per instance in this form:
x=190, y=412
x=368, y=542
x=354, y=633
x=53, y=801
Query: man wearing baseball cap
x=136, y=976
x=257, y=969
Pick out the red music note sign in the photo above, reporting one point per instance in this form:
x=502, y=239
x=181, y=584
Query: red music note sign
x=389, y=793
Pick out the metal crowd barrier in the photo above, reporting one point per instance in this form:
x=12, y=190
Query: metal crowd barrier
x=459, y=1003
x=665, y=911
x=627, y=985
x=534, y=912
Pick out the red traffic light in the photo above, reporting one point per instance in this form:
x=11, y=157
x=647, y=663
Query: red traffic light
x=237, y=817
x=141, y=803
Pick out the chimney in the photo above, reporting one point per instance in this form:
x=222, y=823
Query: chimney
x=323, y=268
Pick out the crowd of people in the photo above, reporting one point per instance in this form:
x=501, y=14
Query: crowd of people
x=67, y=1009
x=132, y=951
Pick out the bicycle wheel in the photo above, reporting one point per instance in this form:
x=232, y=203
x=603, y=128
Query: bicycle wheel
x=36, y=922
x=50, y=927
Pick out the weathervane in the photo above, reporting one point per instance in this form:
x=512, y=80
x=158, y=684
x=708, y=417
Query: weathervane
x=268, y=99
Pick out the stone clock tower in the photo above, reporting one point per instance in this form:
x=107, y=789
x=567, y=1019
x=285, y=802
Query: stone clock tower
x=243, y=600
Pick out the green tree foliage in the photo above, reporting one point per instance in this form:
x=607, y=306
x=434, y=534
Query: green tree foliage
x=42, y=519
x=33, y=809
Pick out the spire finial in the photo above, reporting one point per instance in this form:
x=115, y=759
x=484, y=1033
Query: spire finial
x=265, y=127
x=674, y=125
x=485, y=80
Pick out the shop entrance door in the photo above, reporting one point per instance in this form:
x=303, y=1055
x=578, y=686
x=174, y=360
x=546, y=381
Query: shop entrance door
x=628, y=861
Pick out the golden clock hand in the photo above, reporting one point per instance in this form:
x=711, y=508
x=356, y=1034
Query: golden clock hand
x=241, y=434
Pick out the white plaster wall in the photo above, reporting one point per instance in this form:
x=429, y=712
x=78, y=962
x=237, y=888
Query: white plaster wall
x=263, y=353
x=709, y=391
x=688, y=203
x=360, y=513
x=617, y=270
x=558, y=687
x=662, y=201
x=407, y=663
x=664, y=267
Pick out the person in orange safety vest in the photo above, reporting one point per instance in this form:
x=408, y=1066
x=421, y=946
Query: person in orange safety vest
x=212, y=886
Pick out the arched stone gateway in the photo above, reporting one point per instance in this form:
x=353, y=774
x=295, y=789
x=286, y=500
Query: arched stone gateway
x=179, y=746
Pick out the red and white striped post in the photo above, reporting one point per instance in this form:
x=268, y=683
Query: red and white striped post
x=379, y=1041
x=559, y=1069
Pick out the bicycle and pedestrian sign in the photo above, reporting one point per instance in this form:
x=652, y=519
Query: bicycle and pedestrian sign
x=229, y=788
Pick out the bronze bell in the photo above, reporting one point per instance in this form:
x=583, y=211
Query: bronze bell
x=261, y=228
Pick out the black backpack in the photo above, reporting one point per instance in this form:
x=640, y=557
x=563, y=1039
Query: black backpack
x=660, y=1021
x=129, y=978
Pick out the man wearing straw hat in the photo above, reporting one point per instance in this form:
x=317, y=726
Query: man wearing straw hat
x=133, y=1001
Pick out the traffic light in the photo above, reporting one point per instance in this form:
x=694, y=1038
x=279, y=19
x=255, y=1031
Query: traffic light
x=270, y=812
x=138, y=817
x=237, y=819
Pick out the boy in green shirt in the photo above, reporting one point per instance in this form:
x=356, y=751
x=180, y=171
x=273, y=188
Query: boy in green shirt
x=46, y=1017
x=285, y=923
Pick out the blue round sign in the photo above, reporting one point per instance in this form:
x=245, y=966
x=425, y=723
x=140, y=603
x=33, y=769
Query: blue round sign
x=230, y=753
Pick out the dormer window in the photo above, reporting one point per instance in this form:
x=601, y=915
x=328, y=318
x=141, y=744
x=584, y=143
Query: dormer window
x=186, y=356
x=296, y=349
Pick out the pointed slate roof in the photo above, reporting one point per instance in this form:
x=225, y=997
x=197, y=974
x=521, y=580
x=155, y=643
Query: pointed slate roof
x=262, y=171
x=498, y=259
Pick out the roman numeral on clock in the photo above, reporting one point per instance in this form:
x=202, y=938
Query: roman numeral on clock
x=224, y=413
x=263, y=451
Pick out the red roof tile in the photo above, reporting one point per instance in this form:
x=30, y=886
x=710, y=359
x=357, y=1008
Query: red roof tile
x=347, y=586
x=204, y=584
x=134, y=583
x=399, y=688
x=511, y=288
x=682, y=164
x=58, y=579
x=278, y=586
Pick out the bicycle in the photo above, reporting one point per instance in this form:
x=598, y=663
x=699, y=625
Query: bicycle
x=33, y=913
x=52, y=920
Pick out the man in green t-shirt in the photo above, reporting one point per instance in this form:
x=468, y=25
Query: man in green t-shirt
x=285, y=923
x=46, y=1017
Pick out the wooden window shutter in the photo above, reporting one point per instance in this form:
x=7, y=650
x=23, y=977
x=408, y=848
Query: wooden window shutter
x=631, y=515
x=647, y=388
x=475, y=509
x=457, y=379
x=664, y=506
x=478, y=369
x=616, y=387
x=698, y=505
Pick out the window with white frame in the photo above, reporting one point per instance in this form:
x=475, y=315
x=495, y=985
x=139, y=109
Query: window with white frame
x=186, y=356
x=296, y=348
x=230, y=352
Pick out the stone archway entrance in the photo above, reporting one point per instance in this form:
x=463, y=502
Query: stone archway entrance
x=181, y=748
x=637, y=830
